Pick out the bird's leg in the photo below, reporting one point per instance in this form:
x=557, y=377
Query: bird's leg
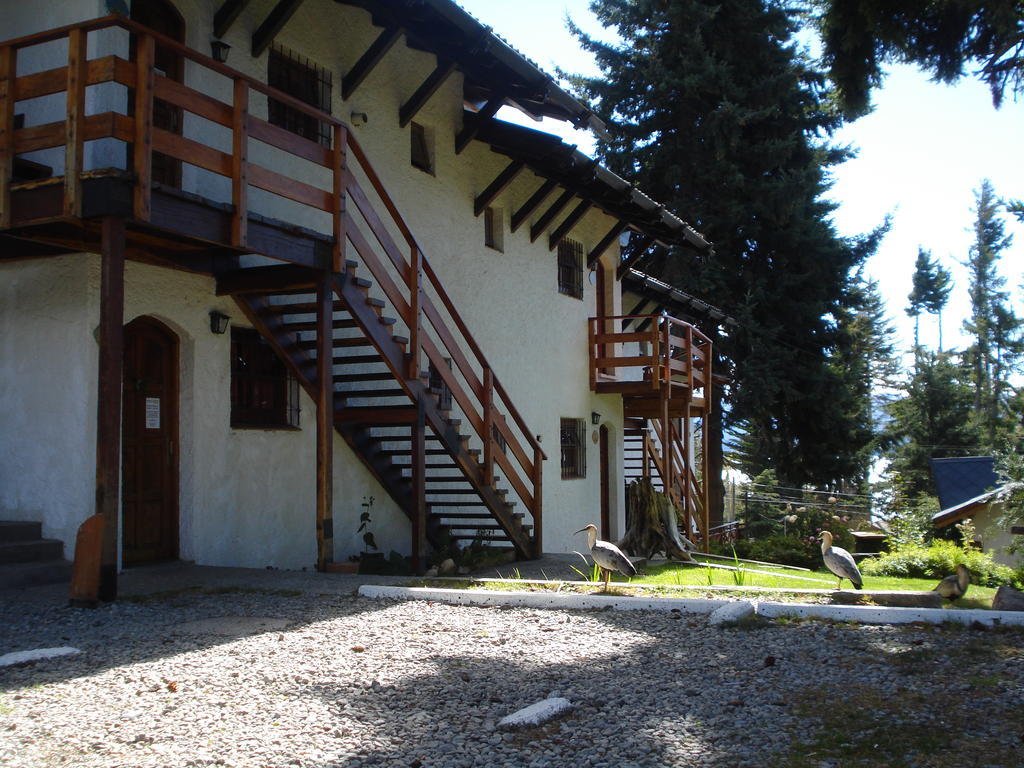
x=607, y=576
x=839, y=583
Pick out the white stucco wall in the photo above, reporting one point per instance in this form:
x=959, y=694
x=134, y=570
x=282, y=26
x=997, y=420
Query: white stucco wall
x=534, y=337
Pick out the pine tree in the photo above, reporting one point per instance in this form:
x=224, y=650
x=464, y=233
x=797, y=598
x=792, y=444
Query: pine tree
x=931, y=420
x=944, y=37
x=715, y=111
x=931, y=286
x=996, y=347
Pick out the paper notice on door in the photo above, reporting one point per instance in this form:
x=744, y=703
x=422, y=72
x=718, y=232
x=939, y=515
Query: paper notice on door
x=152, y=413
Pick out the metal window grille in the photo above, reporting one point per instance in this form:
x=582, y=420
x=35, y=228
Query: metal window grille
x=299, y=77
x=263, y=393
x=574, y=451
x=420, y=154
x=438, y=386
x=570, y=268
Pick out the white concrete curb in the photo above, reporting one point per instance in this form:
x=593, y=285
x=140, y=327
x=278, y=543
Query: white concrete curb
x=862, y=614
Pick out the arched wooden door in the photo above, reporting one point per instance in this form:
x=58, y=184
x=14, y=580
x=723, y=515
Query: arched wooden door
x=161, y=16
x=150, y=443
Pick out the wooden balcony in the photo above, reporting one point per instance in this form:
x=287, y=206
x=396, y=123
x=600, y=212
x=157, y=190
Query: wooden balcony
x=321, y=212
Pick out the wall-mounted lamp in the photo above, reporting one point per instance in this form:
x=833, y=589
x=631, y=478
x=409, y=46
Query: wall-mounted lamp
x=219, y=49
x=218, y=322
x=359, y=118
x=595, y=418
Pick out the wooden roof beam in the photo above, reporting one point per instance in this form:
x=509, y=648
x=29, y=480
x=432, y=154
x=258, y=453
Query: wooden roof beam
x=274, y=23
x=272, y=279
x=370, y=59
x=496, y=187
x=606, y=241
x=549, y=215
x=471, y=125
x=422, y=95
x=568, y=223
x=640, y=252
x=531, y=205
x=226, y=15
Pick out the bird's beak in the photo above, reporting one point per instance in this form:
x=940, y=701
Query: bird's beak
x=581, y=530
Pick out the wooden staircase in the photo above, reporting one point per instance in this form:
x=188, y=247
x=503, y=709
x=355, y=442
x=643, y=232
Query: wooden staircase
x=662, y=368
x=343, y=276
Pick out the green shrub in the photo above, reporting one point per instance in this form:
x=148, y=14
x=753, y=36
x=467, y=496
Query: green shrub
x=937, y=560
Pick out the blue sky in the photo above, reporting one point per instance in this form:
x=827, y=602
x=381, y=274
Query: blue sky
x=921, y=154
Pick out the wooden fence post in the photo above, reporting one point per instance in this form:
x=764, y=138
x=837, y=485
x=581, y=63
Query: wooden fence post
x=8, y=74
x=74, y=124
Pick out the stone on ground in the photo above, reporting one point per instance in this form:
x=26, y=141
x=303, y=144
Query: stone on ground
x=36, y=654
x=731, y=613
x=536, y=714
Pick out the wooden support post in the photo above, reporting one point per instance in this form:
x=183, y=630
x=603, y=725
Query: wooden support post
x=415, y=319
x=362, y=68
x=108, y=403
x=340, y=196
x=226, y=15
x=538, y=501
x=240, y=165
x=419, y=489
x=8, y=74
x=324, y=420
x=705, y=470
x=487, y=403
x=641, y=250
x=142, y=150
x=568, y=223
x=605, y=243
x=274, y=23
x=531, y=205
x=687, y=470
x=666, y=457
x=473, y=123
x=74, y=130
x=422, y=95
x=496, y=187
x=541, y=225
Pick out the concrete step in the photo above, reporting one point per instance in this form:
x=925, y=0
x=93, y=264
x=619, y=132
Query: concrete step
x=19, y=530
x=32, y=574
x=31, y=551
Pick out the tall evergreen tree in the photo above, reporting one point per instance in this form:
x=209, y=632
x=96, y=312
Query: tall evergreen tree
x=931, y=286
x=931, y=420
x=944, y=37
x=996, y=346
x=715, y=110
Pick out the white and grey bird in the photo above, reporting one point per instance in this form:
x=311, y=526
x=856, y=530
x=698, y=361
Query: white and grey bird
x=607, y=556
x=955, y=585
x=840, y=562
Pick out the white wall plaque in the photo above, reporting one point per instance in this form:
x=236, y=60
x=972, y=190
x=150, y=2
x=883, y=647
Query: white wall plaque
x=152, y=413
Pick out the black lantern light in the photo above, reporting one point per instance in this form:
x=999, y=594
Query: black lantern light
x=595, y=418
x=219, y=49
x=218, y=322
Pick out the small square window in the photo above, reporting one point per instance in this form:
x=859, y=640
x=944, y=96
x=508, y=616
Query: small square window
x=263, y=392
x=574, y=448
x=494, y=228
x=570, y=268
x=421, y=148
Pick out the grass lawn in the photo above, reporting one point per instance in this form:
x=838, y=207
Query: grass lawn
x=673, y=574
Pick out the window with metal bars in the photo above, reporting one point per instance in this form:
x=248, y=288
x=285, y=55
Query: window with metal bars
x=574, y=448
x=299, y=77
x=570, y=268
x=263, y=392
x=439, y=387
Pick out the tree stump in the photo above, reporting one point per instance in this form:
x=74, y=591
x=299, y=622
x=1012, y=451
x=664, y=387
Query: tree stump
x=653, y=525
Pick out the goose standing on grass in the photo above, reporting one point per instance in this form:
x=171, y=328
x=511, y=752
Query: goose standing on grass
x=607, y=556
x=954, y=586
x=840, y=562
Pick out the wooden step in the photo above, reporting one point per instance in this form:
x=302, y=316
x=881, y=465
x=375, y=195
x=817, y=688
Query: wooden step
x=348, y=342
x=449, y=492
x=31, y=551
x=469, y=515
x=344, y=378
x=19, y=530
x=311, y=325
x=299, y=308
x=368, y=393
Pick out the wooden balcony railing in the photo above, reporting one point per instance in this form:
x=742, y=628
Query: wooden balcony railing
x=668, y=355
x=335, y=184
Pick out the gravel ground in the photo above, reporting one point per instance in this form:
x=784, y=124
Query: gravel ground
x=330, y=679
